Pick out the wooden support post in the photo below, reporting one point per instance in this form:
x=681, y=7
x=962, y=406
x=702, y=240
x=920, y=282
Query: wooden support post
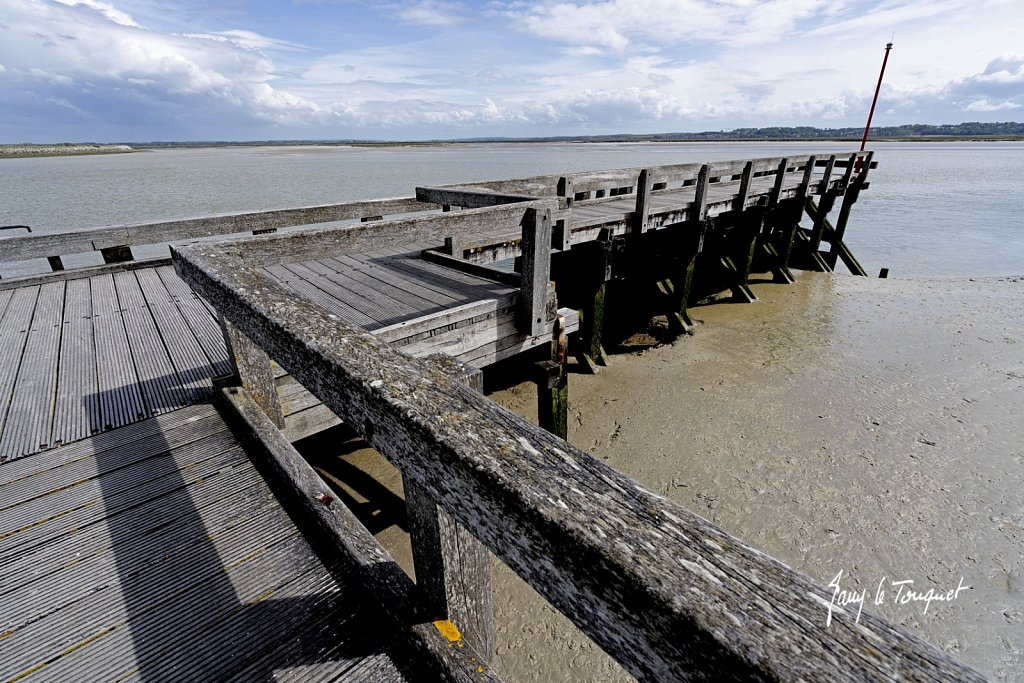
x=55, y=263
x=553, y=386
x=751, y=224
x=117, y=254
x=536, y=270
x=822, y=186
x=553, y=398
x=680, y=285
x=591, y=352
x=837, y=248
x=788, y=220
x=453, y=569
x=252, y=371
x=643, y=202
x=566, y=191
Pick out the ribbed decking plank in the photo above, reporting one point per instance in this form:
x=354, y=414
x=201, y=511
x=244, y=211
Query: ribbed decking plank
x=199, y=318
x=318, y=296
x=382, y=303
x=77, y=405
x=388, y=277
x=175, y=566
x=120, y=398
x=29, y=418
x=161, y=387
x=187, y=355
x=13, y=334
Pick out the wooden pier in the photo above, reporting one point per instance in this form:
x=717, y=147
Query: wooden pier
x=165, y=528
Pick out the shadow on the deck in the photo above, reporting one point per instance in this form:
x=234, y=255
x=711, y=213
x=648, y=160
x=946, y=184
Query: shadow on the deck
x=216, y=581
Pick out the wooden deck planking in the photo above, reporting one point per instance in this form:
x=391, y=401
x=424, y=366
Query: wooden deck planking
x=14, y=332
x=29, y=418
x=392, y=302
x=187, y=355
x=174, y=565
x=377, y=306
x=463, y=286
x=200, y=320
x=119, y=395
x=403, y=285
x=317, y=295
x=159, y=382
x=77, y=405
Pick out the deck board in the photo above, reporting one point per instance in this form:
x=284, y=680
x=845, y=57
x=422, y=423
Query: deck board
x=184, y=567
x=29, y=418
x=77, y=408
x=161, y=387
x=186, y=353
x=13, y=335
x=120, y=397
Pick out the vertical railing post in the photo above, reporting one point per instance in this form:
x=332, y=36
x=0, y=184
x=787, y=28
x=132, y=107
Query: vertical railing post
x=644, y=187
x=453, y=569
x=251, y=366
x=536, y=271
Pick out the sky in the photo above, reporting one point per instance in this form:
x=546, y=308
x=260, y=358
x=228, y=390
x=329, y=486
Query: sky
x=152, y=70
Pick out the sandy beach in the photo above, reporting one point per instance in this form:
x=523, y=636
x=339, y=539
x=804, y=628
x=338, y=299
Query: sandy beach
x=866, y=426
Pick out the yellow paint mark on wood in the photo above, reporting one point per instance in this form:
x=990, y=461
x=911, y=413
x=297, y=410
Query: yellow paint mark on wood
x=241, y=561
x=448, y=630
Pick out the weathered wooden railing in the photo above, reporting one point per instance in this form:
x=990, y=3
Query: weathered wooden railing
x=115, y=242
x=820, y=177
x=666, y=593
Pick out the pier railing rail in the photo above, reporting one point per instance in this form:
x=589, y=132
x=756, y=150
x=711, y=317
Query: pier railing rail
x=666, y=593
x=115, y=242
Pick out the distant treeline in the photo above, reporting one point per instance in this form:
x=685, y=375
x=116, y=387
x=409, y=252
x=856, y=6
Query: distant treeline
x=916, y=130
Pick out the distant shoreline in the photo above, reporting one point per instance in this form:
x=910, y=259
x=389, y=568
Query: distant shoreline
x=29, y=151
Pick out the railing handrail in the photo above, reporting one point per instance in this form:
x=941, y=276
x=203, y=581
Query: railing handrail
x=41, y=245
x=668, y=594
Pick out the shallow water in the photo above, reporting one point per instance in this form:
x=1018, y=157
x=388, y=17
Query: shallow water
x=933, y=209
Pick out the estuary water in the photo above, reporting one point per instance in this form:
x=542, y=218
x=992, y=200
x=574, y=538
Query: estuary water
x=950, y=209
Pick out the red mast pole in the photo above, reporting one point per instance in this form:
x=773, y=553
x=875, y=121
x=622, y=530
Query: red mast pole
x=871, y=114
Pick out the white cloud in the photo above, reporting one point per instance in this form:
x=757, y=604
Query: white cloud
x=432, y=13
x=109, y=11
x=617, y=24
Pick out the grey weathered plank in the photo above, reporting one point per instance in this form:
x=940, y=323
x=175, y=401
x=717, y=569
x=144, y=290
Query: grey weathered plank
x=306, y=496
x=463, y=286
x=162, y=389
x=77, y=407
x=30, y=416
x=20, y=470
x=81, y=240
x=199, y=318
x=377, y=303
x=664, y=591
x=453, y=569
x=533, y=310
x=251, y=369
x=425, y=231
x=382, y=273
x=186, y=353
x=68, y=570
x=56, y=479
x=14, y=332
x=332, y=303
x=63, y=513
x=119, y=395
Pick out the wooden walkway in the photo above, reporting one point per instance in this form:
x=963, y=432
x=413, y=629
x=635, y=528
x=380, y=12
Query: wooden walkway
x=82, y=356
x=157, y=552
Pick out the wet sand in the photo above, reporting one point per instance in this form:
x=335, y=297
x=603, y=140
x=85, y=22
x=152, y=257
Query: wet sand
x=867, y=426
